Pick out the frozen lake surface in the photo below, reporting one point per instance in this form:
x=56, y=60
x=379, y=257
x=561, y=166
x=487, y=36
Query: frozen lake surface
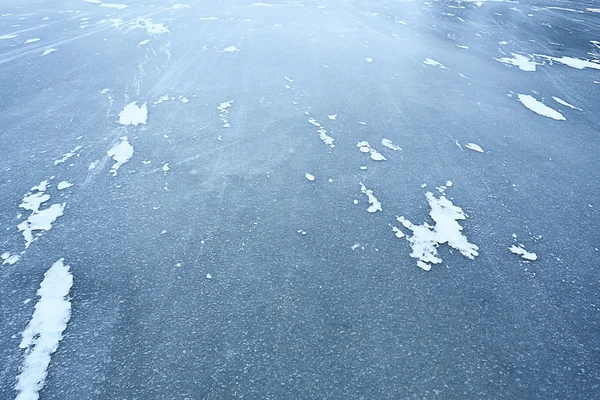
x=299, y=199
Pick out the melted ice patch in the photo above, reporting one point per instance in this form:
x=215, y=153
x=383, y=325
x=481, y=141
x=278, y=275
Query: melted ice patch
x=67, y=156
x=375, y=205
x=120, y=153
x=224, y=112
x=519, y=60
x=39, y=219
x=388, y=143
x=426, y=238
x=133, y=115
x=365, y=147
x=433, y=63
x=45, y=330
x=474, y=147
x=523, y=253
x=540, y=108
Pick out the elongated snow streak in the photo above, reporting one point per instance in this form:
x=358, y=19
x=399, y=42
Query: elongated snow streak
x=540, y=108
x=45, y=330
x=426, y=238
x=328, y=140
x=375, y=205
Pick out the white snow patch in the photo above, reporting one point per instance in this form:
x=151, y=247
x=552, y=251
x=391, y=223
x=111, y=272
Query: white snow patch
x=523, y=253
x=63, y=185
x=474, y=147
x=104, y=91
x=433, y=63
x=38, y=220
x=224, y=112
x=328, y=140
x=573, y=62
x=230, y=49
x=310, y=177
x=426, y=238
x=365, y=147
x=120, y=153
x=114, y=5
x=332, y=117
x=144, y=42
x=45, y=330
x=32, y=40
x=4, y=37
x=519, y=60
x=388, y=143
x=162, y=98
x=10, y=259
x=92, y=165
x=151, y=27
x=540, y=108
x=133, y=115
x=564, y=103
x=48, y=51
x=375, y=205
x=460, y=46
x=67, y=156
x=165, y=167
x=369, y=60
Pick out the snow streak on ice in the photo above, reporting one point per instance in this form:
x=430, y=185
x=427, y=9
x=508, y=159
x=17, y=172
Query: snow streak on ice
x=540, y=108
x=365, y=147
x=426, y=238
x=375, y=205
x=131, y=114
x=523, y=253
x=45, y=330
x=121, y=153
x=328, y=140
x=39, y=219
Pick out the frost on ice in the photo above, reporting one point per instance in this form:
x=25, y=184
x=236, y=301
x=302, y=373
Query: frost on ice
x=45, y=330
x=375, y=205
x=328, y=140
x=426, y=238
x=39, y=219
x=540, y=108
x=131, y=114
x=365, y=147
x=523, y=253
x=120, y=153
